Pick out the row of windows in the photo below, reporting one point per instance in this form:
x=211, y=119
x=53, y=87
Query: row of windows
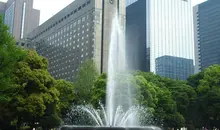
x=67, y=45
x=74, y=34
x=59, y=33
x=57, y=58
x=65, y=40
x=65, y=17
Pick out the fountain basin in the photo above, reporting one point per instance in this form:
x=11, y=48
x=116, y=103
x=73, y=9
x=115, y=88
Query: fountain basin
x=108, y=128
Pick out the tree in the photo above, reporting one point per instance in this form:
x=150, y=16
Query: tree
x=184, y=96
x=84, y=81
x=66, y=97
x=193, y=80
x=156, y=95
x=10, y=54
x=99, y=90
x=208, y=100
x=37, y=96
x=147, y=92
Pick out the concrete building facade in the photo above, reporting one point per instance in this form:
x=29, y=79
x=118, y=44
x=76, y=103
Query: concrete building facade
x=20, y=16
x=2, y=8
x=167, y=29
x=78, y=32
x=207, y=34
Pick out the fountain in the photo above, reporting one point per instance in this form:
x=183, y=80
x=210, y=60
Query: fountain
x=119, y=92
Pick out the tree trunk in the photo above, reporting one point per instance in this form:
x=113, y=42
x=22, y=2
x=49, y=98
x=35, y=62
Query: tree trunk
x=18, y=125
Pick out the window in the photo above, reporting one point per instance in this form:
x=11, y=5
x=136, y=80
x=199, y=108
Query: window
x=83, y=19
x=79, y=8
x=79, y=21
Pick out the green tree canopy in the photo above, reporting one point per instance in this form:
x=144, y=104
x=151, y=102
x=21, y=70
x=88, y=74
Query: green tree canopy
x=10, y=54
x=67, y=96
x=37, y=96
x=99, y=90
x=84, y=81
x=208, y=101
x=157, y=96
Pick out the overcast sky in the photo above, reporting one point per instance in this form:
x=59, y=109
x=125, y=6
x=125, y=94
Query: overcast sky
x=49, y=8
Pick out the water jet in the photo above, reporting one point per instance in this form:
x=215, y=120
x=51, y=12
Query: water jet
x=119, y=112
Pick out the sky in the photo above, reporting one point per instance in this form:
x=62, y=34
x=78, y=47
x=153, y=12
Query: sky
x=49, y=8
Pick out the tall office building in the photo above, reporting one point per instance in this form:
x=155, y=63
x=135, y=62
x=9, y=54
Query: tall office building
x=167, y=29
x=136, y=35
x=80, y=31
x=20, y=16
x=174, y=67
x=207, y=34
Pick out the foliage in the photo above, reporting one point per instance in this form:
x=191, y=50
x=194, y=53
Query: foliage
x=84, y=81
x=158, y=97
x=37, y=96
x=66, y=97
x=99, y=90
x=9, y=56
x=208, y=100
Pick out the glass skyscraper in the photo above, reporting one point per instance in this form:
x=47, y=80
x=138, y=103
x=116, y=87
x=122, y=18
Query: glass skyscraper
x=174, y=67
x=20, y=17
x=169, y=29
x=9, y=17
x=207, y=34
